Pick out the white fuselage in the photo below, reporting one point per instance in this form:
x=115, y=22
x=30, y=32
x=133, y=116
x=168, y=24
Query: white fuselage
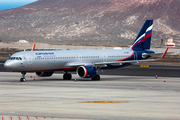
x=61, y=59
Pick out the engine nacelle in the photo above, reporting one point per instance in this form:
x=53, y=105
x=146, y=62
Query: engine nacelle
x=86, y=71
x=44, y=74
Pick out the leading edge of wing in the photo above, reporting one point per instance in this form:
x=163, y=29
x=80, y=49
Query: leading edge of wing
x=77, y=64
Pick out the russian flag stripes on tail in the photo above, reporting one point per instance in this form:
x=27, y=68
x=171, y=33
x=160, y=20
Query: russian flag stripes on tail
x=143, y=40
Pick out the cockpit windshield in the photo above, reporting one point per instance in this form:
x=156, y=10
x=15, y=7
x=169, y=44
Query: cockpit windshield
x=15, y=58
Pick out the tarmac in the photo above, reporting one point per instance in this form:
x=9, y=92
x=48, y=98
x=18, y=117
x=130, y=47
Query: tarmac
x=115, y=97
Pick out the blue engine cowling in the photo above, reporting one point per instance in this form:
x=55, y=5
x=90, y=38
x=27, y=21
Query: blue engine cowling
x=86, y=71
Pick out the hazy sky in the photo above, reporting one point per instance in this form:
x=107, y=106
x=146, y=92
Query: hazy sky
x=18, y=1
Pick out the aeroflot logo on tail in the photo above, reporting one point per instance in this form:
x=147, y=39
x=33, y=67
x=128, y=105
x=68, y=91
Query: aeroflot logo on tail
x=48, y=53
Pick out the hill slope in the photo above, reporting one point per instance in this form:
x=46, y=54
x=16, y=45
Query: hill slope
x=90, y=21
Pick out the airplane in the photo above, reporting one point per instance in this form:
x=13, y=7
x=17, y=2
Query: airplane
x=86, y=63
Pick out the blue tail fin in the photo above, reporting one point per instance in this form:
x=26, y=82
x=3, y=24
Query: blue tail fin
x=143, y=40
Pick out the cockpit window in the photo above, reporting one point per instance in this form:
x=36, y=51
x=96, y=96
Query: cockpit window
x=15, y=58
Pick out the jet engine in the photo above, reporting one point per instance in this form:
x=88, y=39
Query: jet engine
x=44, y=74
x=86, y=71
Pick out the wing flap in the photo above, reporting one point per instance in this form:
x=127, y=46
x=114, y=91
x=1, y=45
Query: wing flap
x=121, y=62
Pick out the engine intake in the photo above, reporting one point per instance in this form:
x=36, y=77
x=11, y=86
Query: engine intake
x=86, y=71
x=44, y=74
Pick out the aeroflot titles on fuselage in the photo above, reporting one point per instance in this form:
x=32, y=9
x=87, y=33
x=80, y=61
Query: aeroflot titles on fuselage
x=49, y=53
x=52, y=53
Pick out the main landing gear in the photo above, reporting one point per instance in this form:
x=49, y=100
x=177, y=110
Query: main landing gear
x=67, y=76
x=23, y=79
x=97, y=77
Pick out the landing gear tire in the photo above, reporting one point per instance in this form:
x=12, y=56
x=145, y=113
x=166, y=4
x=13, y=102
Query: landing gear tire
x=22, y=80
x=67, y=76
x=97, y=77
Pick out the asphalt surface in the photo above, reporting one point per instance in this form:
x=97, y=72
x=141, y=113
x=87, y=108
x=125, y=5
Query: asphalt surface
x=140, y=95
x=139, y=98
x=153, y=70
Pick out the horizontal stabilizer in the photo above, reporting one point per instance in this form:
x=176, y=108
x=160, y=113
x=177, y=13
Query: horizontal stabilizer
x=155, y=54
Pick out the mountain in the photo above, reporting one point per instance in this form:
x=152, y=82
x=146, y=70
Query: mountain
x=90, y=22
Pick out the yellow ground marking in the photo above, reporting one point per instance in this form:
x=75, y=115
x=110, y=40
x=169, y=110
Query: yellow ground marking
x=144, y=66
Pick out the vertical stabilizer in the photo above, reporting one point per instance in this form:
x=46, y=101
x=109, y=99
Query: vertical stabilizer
x=143, y=40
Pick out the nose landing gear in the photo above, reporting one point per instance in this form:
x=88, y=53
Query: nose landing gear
x=23, y=79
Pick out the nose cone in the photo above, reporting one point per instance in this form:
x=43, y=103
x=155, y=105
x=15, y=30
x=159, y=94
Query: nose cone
x=8, y=65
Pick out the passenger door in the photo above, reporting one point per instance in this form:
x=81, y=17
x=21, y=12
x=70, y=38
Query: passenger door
x=104, y=57
x=29, y=58
x=80, y=58
x=135, y=55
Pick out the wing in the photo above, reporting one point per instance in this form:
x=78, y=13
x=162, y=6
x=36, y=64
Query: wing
x=155, y=54
x=121, y=62
x=104, y=64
